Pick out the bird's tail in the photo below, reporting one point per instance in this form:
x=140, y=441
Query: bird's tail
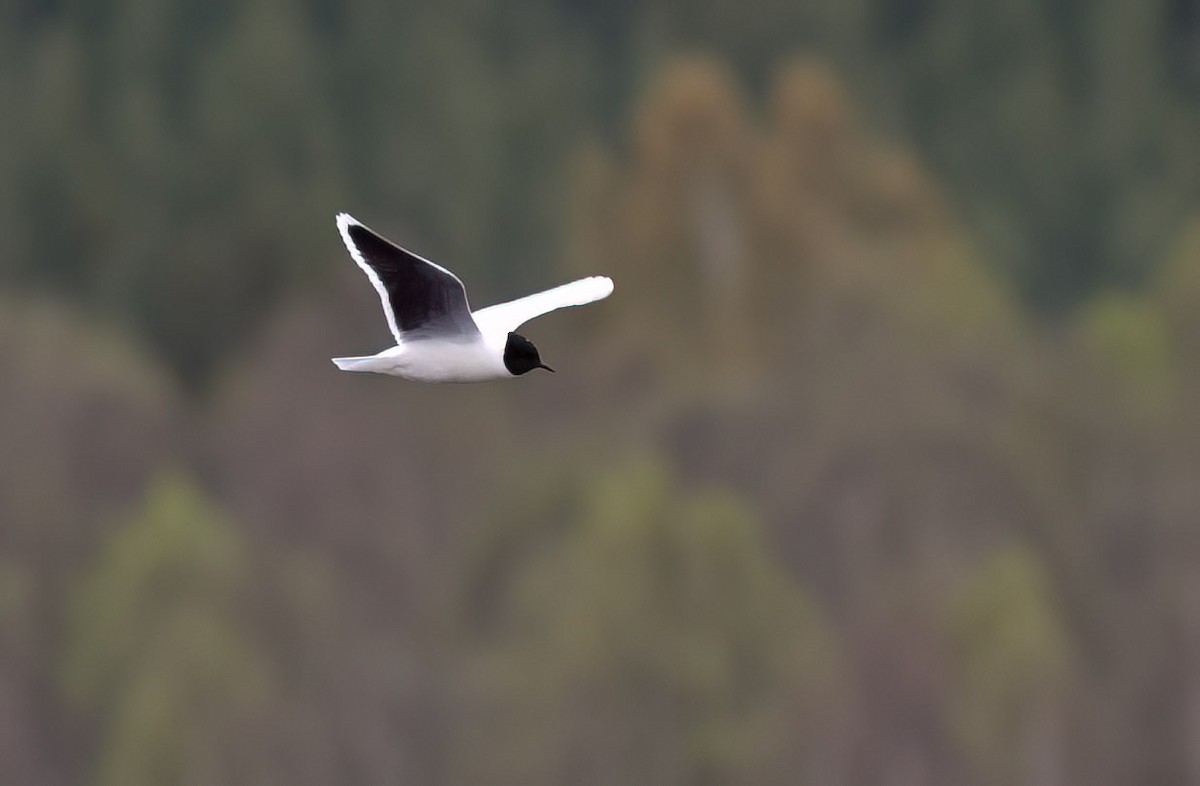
x=365, y=363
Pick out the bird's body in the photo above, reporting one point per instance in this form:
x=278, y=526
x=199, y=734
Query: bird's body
x=438, y=337
x=433, y=360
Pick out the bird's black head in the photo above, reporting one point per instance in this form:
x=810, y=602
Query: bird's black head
x=521, y=356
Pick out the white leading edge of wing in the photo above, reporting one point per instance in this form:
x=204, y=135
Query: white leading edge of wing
x=344, y=222
x=503, y=318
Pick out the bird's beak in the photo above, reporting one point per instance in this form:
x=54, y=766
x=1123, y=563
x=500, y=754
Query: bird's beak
x=543, y=365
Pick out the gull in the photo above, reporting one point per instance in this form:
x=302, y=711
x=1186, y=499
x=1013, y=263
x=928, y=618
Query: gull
x=438, y=337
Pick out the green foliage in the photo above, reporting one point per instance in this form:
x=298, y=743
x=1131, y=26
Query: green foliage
x=1178, y=294
x=738, y=240
x=1012, y=657
x=1131, y=339
x=647, y=635
x=158, y=653
x=79, y=409
x=1059, y=130
x=812, y=336
x=85, y=420
x=1065, y=132
x=170, y=162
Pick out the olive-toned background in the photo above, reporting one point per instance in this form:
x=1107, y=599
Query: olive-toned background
x=880, y=466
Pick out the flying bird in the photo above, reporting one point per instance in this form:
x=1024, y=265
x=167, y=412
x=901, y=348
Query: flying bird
x=438, y=337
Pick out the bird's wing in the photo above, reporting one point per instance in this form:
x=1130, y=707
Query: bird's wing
x=420, y=299
x=506, y=317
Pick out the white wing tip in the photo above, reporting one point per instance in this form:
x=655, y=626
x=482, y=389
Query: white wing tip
x=344, y=222
x=599, y=287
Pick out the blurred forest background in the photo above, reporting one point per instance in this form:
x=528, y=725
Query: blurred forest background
x=881, y=466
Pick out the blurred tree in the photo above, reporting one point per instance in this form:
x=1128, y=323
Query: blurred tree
x=1062, y=130
x=802, y=317
x=85, y=422
x=642, y=633
x=168, y=159
x=686, y=256
x=1178, y=292
x=880, y=420
x=1012, y=664
x=1116, y=445
x=355, y=488
x=735, y=245
x=1059, y=129
x=158, y=656
x=1129, y=337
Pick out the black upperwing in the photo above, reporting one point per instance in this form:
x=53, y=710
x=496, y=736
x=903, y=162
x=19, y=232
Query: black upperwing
x=421, y=299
